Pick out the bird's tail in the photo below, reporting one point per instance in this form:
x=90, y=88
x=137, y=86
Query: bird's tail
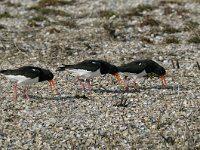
x=3, y=71
x=63, y=67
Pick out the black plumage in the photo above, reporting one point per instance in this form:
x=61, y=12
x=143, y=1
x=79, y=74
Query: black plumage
x=147, y=65
x=30, y=72
x=88, y=69
x=28, y=75
x=92, y=65
x=143, y=68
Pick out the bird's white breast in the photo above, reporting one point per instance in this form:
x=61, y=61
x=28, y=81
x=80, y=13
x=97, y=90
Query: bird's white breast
x=134, y=75
x=84, y=73
x=22, y=80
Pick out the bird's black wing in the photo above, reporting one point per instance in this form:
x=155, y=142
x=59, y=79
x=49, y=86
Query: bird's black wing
x=89, y=65
x=27, y=71
x=133, y=67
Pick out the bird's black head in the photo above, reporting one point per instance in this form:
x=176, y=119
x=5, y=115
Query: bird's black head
x=46, y=75
x=106, y=67
x=153, y=69
x=159, y=70
x=112, y=69
x=162, y=71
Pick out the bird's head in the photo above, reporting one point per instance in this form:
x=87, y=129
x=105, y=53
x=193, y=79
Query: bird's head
x=160, y=71
x=157, y=72
x=112, y=69
x=48, y=75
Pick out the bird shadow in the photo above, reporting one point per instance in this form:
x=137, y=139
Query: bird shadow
x=100, y=91
x=168, y=87
x=56, y=97
x=132, y=90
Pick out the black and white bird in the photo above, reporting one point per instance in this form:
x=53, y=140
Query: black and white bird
x=89, y=69
x=143, y=68
x=28, y=75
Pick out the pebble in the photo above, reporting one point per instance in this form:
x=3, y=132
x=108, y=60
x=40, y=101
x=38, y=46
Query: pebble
x=50, y=121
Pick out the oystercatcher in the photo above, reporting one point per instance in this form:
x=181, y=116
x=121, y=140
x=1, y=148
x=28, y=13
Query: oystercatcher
x=27, y=75
x=143, y=68
x=89, y=69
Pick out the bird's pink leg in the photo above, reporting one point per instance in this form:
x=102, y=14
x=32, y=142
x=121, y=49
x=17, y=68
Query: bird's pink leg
x=126, y=83
x=15, y=90
x=25, y=92
x=89, y=86
x=136, y=86
x=82, y=85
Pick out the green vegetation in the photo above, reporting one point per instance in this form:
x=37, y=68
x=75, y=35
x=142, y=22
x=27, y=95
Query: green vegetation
x=137, y=11
x=34, y=21
x=172, y=39
x=168, y=10
x=170, y=30
x=165, y=2
x=181, y=11
x=10, y=4
x=145, y=7
x=39, y=18
x=146, y=40
x=53, y=30
x=178, y=10
x=191, y=25
x=5, y=15
x=69, y=23
x=110, y=29
x=106, y=13
x=195, y=36
x=44, y=3
x=2, y=27
x=150, y=21
x=48, y=11
x=194, y=39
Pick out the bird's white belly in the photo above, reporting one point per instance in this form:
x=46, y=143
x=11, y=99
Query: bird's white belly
x=134, y=75
x=84, y=73
x=22, y=80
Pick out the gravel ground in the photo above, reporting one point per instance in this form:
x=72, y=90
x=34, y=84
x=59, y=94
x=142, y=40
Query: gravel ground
x=49, y=33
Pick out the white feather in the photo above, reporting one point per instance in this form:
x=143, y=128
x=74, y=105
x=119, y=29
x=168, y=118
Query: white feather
x=84, y=73
x=22, y=80
x=134, y=75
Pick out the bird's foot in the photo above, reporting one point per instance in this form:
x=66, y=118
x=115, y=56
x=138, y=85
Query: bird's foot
x=81, y=96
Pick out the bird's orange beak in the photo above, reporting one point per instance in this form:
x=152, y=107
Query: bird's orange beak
x=52, y=85
x=118, y=78
x=162, y=79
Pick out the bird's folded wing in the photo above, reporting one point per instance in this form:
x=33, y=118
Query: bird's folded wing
x=133, y=67
x=85, y=65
